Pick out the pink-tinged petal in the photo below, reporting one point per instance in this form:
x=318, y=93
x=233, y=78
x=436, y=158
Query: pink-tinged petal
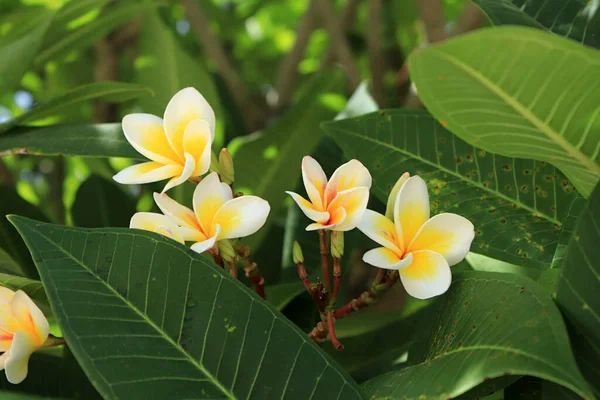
x=447, y=234
x=348, y=176
x=181, y=215
x=382, y=257
x=427, y=276
x=170, y=232
x=197, y=142
x=147, y=172
x=210, y=195
x=186, y=106
x=354, y=202
x=6, y=339
x=146, y=134
x=16, y=364
x=186, y=173
x=381, y=230
x=30, y=317
x=315, y=181
x=338, y=217
x=411, y=209
x=309, y=210
x=202, y=246
x=241, y=217
x=389, y=210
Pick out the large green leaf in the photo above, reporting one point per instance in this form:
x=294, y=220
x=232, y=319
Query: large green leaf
x=517, y=205
x=69, y=17
x=166, y=68
x=535, y=96
x=487, y=326
x=88, y=34
x=8, y=265
x=100, y=140
x=18, y=55
x=268, y=163
x=575, y=19
x=147, y=318
x=578, y=288
x=94, y=205
x=109, y=91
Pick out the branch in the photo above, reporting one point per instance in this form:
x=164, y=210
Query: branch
x=432, y=16
x=338, y=41
x=107, y=69
x=471, y=18
x=289, y=67
x=347, y=19
x=376, y=60
x=214, y=49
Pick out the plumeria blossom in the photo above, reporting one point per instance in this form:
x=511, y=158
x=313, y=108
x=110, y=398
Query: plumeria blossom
x=337, y=204
x=217, y=215
x=421, y=248
x=179, y=146
x=23, y=330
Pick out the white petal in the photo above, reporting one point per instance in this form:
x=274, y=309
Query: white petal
x=181, y=215
x=389, y=210
x=338, y=218
x=411, y=209
x=201, y=247
x=308, y=209
x=385, y=258
x=30, y=317
x=241, y=217
x=188, y=171
x=146, y=173
x=315, y=181
x=427, y=276
x=354, y=202
x=381, y=230
x=447, y=234
x=197, y=142
x=16, y=364
x=348, y=176
x=146, y=134
x=210, y=195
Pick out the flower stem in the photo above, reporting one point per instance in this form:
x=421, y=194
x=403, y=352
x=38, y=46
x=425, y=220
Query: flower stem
x=306, y=282
x=324, y=259
x=214, y=252
x=366, y=298
x=318, y=334
x=253, y=274
x=337, y=279
x=233, y=269
x=194, y=179
x=53, y=341
x=331, y=326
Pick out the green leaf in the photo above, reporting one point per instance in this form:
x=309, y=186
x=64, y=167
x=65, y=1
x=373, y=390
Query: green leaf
x=100, y=140
x=8, y=265
x=578, y=288
x=488, y=325
x=89, y=33
x=10, y=241
x=71, y=13
x=21, y=396
x=109, y=91
x=527, y=98
x=94, y=205
x=146, y=317
x=574, y=19
x=517, y=205
x=165, y=68
x=18, y=55
x=268, y=163
x=33, y=288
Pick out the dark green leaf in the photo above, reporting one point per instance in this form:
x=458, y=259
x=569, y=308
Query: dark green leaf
x=147, y=317
x=575, y=19
x=538, y=105
x=487, y=326
x=8, y=265
x=517, y=205
x=109, y=91
x=101, y=140
x=578, y=288
x=101, y=203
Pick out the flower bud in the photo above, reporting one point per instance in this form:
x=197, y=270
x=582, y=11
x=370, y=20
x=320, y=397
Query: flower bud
x=297, y=253
x=226, y=167
x=214, y=163
x=337, y=244
x=227, y=251
x=389, y=210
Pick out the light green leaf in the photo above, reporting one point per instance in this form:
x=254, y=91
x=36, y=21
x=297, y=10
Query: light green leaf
x=94, y=205
x=89, y=33
x=517, y=206
x=100, y=140
x=488, y=325
x=71, y=13
x=575, y=19
x=535, y=96
x=115, y=92
x=165, y=68
x=578, y=288
x=18, y=55
x=268, y=163
x=147, y=317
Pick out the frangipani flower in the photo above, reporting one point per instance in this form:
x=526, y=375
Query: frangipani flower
x=23, y=330
x=421, y=248
x=216, y=216
x=338, y=204
x=179, y=146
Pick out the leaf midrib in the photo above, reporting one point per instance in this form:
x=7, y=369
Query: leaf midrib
x=449, y=171
x=524, y=111
x=145, y=318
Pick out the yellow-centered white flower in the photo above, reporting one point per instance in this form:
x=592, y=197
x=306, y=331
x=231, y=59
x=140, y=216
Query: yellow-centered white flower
x=337, y=204
x=23, y=330
x=179, y=146
x=421, y=248
x=217, y=215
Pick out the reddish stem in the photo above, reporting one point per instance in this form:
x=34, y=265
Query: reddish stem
x=306, y=282
x=318, y=334
x=366, y=298
x=330, y=324
x=253, y=274
x=324, y=259
x=215, y=255
x=337, y=279
x=233, y=269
